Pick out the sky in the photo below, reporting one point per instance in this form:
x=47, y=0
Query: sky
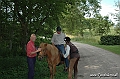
x=108, y=7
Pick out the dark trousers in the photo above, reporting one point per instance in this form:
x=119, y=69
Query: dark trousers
x=31, y=66
x=66, y=62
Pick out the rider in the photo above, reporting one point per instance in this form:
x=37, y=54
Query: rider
x=58, y=41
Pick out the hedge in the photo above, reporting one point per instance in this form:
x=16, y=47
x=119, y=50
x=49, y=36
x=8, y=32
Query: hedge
x=110, y=40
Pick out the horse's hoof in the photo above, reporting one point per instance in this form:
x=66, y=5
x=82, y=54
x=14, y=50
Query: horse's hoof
x=58, y=64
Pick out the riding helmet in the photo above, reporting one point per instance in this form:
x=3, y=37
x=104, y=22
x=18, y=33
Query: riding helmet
x=58, y=28
x=67, y=39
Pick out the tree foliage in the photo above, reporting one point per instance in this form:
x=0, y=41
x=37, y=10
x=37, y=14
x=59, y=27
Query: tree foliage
x=117, y=17
x=20, y=18
x=85, y=15
x=76, y=17
x=102, y=25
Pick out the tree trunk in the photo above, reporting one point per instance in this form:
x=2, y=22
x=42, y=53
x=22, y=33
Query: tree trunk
x=21, y=19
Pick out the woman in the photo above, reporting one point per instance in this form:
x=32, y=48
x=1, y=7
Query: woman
x=74, y=58
x=66, y=55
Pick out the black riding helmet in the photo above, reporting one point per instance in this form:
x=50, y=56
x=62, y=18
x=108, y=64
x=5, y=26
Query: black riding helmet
x=58, y=28
x=67, y=39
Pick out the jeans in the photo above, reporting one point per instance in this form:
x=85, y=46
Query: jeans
x=66, y=62
x=31, y=66
x=61, y=48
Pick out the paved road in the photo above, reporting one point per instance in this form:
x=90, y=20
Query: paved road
x=96, y=63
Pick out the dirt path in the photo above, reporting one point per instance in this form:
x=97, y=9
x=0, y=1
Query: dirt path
x=96, y=63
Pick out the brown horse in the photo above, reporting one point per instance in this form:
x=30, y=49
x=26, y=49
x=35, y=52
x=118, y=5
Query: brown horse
x=53, y=57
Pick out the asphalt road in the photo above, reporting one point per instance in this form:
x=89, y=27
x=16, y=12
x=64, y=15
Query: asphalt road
x=97, y=63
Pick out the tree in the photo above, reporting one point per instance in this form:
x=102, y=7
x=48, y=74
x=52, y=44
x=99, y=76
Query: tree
x=20, y=18
x=103, y=25
x=117, y=28
x=75, y=21
x=117, y=17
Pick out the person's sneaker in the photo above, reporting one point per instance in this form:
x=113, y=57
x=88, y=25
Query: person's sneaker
x=65, y=69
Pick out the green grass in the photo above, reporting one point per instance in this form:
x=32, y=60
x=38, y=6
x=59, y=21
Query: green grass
x=95, y=42
x=112, y=48
x=16, y=68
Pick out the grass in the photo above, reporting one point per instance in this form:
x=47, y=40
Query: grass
x=113, y=48
x=95, y=42
x=16, y=68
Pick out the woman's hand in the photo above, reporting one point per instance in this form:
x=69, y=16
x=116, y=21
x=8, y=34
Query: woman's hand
x=39, y=49
x=68, y=57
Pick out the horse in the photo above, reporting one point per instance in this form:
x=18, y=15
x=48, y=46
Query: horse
x=53, y=57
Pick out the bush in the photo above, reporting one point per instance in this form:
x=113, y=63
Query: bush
x=13, y=67
x=110, y=40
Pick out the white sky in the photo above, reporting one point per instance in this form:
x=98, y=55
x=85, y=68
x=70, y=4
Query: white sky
x=108, y=7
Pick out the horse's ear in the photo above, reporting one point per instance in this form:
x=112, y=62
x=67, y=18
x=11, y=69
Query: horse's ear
x=40, y=45
x=45, y=44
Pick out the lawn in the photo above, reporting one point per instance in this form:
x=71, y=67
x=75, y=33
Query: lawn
x=16, y=68
x=112, y=48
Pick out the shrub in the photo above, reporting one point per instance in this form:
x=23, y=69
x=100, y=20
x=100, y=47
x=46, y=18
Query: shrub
x=110, y=40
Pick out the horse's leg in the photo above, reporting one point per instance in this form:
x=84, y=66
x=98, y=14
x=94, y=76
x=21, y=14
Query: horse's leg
x=54, y=69
x=75, y=68
x=71, y=65
x=51, y=72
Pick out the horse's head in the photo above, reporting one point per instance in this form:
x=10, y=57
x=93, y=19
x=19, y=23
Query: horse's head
x=42, y=53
